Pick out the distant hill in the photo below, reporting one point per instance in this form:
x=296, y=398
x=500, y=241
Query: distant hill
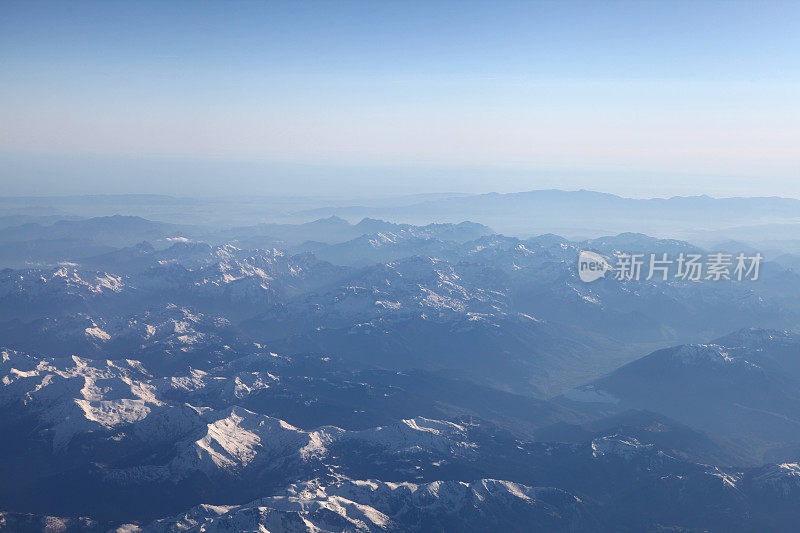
x=68, y=240
x=115, y=230
x=744, y=386
x=334, y=229
x=585, y=213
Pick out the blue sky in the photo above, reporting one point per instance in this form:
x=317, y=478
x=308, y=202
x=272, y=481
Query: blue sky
x=637, y=98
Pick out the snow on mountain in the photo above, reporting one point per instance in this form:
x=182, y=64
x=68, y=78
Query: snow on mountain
x=169, y=326
x=31, y=523
x=759, y=338
x=238, y=442
x=371, y=505
x=782, y=480
x=72, y=397
x=416, y=286
x=76, y=396
x=163, y=335
x=625, y=447
x=59, y=283
x=417, y=434
x=708, y=354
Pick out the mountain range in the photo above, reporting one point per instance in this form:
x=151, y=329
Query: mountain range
x=380, y=376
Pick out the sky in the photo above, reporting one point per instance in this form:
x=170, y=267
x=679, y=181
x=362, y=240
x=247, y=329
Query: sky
x=647, y=98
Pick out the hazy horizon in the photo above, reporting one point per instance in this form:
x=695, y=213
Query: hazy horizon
x=636, y=99
x=379, y=195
